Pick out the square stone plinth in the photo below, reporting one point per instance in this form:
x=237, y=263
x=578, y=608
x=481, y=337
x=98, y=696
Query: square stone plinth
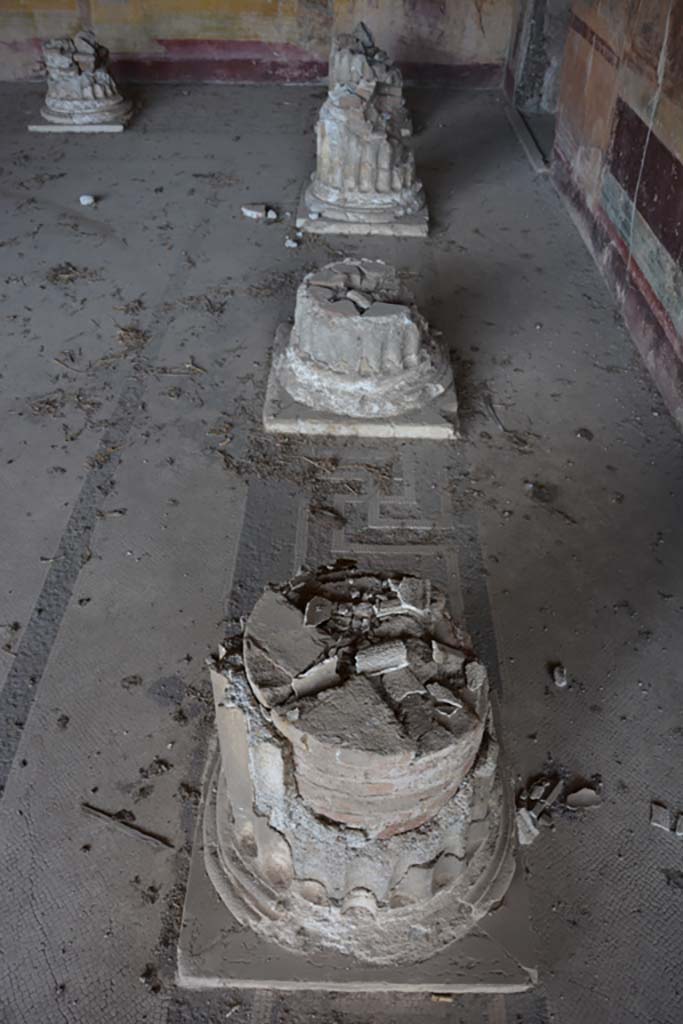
x=438, y=420
x=81, y=128
x=216, y=951
x=414, y=226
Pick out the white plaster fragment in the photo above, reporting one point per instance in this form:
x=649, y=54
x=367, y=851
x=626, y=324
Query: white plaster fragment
x=414, y=593
x=386, y=657
x=318, y=610
x=319, y=677
x=583, y=798
x=442, y=695
x=560, y=677
x=401, y=684
x=359, y=299
x=476, y=676
x=343, y=307
x=527, y=830
x=448, y=657
x=660, y=816
x=546, y=802
x=255, y=211
x=387, y=309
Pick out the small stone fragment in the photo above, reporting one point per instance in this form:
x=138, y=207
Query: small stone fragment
x=255, y=211
x=318, y=610
x=387, y=309
x=476, y=676
x=382, y=658
x=277, y=627
x=319, y=677
x=401, y=684
x=343, y=307
x=327, y=278
x=359, y=299
x=321, y=293
x=546, y=802
x=414, y=593
x=389, y=606
x=583, y=798
x=291, y=243
x=660, y=816
x=442, y=695
x=527, y=830
x=86, y=200
x=450, y=659
x=560, y=677
x=679, y=826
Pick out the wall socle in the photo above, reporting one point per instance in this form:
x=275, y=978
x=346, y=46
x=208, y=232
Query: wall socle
x=262, y=40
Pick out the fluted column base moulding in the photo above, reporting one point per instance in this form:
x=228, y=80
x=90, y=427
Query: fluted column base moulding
x=357, y=824
x=81, y=94
x=360, y=360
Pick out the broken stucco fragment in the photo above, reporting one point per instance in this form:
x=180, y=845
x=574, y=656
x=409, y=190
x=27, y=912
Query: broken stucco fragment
x=313, y=832
x=80, y=89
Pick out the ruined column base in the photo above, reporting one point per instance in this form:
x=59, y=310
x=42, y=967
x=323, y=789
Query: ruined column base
x=216, y=951
x=436, y=420
x=415, y=225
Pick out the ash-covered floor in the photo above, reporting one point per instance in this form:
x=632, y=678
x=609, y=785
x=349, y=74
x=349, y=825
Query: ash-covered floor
x=143, y=506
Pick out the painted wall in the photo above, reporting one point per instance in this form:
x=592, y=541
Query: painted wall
x=619, y=158
x=214, y=40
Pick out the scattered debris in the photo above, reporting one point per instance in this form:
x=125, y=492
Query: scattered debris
x=318, y=610
x=527, y=831
x=291, y=243
x=542, y=795
x=583, y=798
x=132, y=338
x=128, y=682
x=660, y=817
x=560, y=676
x=125, y=820
x=150, y=978
x=86, y=200
x=259, y=211
x=67, y=273
x=382, y=658
x=544, y=493
x=674, y=877
x=585, y=434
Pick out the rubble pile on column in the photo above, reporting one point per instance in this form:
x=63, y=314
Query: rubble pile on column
x=358, y=804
